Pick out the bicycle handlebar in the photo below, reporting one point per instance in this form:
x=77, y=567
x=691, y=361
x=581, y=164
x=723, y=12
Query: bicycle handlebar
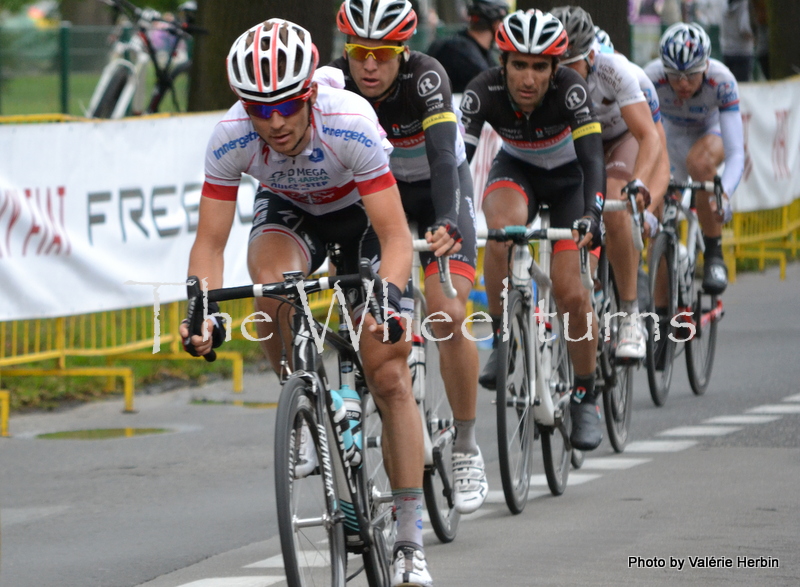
x=421, y=245
x=714, y=186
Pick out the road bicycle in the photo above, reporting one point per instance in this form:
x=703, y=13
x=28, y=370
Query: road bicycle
x=534, y=377
x=122, y=85
x=330, y=503
x=677, y=298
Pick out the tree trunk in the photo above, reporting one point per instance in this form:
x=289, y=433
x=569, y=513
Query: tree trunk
x=225, y=20
x=784, y=42
x=610, y=15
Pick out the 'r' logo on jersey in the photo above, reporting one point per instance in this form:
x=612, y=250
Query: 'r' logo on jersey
x=470, y=103
x=576, y=96
x=428, y=83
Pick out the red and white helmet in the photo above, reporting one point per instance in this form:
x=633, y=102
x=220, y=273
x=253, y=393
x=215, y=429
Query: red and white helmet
x=533, y=32
x=272, y=61
x=390, y=20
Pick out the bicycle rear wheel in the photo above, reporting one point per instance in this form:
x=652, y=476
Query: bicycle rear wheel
x=618, y=388
x=176, y=97
x=514, y=406
x=701, y=347
x=312, y=542
x=377, y=489
x=556, y=450
x=108, y=101
x=437, y=481
x=664, y=303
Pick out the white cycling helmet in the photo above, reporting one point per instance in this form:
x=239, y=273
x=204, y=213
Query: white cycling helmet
x=390, y=20
x=272, y=61
x=533, y=32
x=603, y=38
x=685, y=47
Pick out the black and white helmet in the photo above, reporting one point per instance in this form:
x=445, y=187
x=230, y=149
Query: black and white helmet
x=272, y=61
x=390, y=20
x=580, y=31
x=533, y=32
x=487, y=10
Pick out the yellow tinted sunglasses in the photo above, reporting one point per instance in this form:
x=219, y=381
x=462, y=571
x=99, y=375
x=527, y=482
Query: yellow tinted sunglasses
x=362, y=53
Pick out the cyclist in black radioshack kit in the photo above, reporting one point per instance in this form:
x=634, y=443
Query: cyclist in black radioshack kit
x=322, y=161
x=411, y=94
x=552, y=152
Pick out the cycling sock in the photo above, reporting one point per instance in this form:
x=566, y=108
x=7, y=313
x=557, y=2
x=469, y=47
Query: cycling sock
x=465, y=437
x=713, y=246
x=407, y=512
x=583, y=389
x=631, y=307
x=497, y=324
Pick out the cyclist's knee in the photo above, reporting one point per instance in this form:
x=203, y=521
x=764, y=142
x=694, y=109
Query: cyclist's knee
x=701, y=166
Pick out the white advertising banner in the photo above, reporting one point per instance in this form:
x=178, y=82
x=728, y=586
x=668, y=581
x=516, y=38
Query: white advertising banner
x=86, y=207
x=771, y=121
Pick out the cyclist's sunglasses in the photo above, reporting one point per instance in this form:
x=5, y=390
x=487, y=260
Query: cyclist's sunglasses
x=691, y=76
x=284, y=108
x=361, y=53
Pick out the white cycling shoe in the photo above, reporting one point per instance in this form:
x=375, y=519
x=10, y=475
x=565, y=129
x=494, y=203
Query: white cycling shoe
x=410, y=569
x=632, y=339
x=469, y=482
x=307, y=460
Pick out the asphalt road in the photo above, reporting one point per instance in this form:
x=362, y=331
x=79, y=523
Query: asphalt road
x=709, y=479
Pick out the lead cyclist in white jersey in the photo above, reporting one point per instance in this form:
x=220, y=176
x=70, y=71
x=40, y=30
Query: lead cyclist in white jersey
x=633, y=153
x=700, y=105
x=322, y=162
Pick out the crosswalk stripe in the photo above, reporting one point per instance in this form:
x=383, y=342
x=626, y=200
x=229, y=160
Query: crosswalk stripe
x=659, y=445
x=699, y=431
x=792, y=398
x=775, y=409
x=610, y=463
x=236, y=582
x=742, y=419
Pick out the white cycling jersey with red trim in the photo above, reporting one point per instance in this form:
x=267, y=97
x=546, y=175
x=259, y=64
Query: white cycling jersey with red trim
x=346, y=158
x=612, y=86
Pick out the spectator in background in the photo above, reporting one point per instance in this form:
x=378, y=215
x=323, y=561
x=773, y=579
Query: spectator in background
x=468, y=53
x=737, y=40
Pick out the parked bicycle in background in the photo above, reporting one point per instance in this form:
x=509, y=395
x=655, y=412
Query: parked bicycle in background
x=160, y=40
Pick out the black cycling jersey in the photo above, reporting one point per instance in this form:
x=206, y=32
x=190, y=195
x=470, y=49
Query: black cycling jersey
x=462, y=57
x=562, y=128
x=421, y=124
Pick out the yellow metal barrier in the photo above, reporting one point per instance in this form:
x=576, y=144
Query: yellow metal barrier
x=4, y=409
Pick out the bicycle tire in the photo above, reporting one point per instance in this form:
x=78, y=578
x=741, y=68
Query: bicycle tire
x=108, y=101
x=617, y=390
x=557, y=452
x=312, y=554
x=178, y=91
x=437, y=480
x=700, y=349
x=375, y=486
x=661, y=354
x=514, y=406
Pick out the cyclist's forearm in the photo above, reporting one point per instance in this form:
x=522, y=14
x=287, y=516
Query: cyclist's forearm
x=733, y=142
x=440, y=141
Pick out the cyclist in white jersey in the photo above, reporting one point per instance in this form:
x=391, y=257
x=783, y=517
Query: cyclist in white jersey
x=700, y=105
x=633, y=157
x=322, y=161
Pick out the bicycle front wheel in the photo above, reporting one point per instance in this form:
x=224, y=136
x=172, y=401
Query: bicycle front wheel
x=556, y=450
x=311, y=540
x=663, y=303
x=701, y=347
x=514, y=405
x=437, y=482
x=108, y=101
x=617, y=389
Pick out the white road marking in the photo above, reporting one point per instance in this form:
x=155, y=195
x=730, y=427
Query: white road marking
x=497, y=496
x=659, y=445
x=792, y=398
x=11, y=516
x=574, y=479
x=235, y=582
x=741, y=419
x=700, y=431
x=776, y=409
x=610, y=463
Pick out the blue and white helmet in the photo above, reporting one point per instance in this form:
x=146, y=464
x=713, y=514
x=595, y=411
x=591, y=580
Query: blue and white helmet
x=685, y=47
x=602, y=37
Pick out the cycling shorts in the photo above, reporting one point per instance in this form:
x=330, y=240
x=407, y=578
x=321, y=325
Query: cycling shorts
x=349, y=228
x=620, y=156
x=680, y=139
x=418, y=206
x=561, y=188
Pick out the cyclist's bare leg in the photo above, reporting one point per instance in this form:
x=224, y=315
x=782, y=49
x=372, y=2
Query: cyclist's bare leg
x=458, y=355
x=389, y=380
x=622, y=255
x=268, y=256
x=573, y=298
x=502, y=207
x=704, y=157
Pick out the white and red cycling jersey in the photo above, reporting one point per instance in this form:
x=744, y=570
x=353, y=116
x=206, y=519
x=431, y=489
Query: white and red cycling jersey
x=613, y=85
x=346, y=158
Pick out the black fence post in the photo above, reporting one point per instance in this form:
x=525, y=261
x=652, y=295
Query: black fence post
x=64, y=39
